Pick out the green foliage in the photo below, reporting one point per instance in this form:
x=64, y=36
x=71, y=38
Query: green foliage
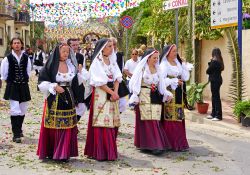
x=236, y=88
x=242, y=107
x=189, y=53
x=246, y=24
x=203, y=24
x=152, y=23
x=195, y=93
x=38, y=32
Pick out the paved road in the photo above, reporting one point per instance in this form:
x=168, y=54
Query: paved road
x=214, y=149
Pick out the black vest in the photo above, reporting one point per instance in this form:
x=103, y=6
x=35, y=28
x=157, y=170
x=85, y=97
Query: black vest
x=17, y=73
x=39, y=61
x=79, y=58
x=119, y=60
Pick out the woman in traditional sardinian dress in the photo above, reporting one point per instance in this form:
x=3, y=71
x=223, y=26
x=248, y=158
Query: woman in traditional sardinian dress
x=58, y=134
x=148, y=92
x=175, y=72
x=104, y=120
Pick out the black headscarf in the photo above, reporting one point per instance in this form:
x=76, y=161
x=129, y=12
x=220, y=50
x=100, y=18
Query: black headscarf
x=49, y=71
x=147, y=52
x=98, y=47
x=165, y=51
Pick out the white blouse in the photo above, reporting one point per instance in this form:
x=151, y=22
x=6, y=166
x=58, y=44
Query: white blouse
x=47, y=87
x=101, y=74
x=150, y=78
x=109, y=72
x=180, y=70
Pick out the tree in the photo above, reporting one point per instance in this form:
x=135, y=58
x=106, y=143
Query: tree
x=38, y=32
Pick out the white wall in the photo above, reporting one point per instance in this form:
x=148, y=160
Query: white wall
x=246, y=60
x=208, y=45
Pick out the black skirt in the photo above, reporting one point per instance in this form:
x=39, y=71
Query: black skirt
x=18, y=92
x=78, y=92
x=80, y=97
x=60, y=112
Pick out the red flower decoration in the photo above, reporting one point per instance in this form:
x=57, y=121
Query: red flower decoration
x=153, y=87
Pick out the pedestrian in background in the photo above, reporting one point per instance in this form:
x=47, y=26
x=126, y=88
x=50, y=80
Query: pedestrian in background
x=39, y=58
x=215, y=67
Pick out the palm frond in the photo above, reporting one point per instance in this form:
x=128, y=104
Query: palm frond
x=237, y=87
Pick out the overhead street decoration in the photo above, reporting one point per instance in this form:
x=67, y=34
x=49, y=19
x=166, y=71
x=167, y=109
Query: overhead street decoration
x=224, y=13
x=74, y=14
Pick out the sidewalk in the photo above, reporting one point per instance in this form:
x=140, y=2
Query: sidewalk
x=228, y=118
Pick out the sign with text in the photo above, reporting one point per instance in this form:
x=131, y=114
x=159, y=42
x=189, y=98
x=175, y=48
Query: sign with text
x=224, y=13
x=174, y=4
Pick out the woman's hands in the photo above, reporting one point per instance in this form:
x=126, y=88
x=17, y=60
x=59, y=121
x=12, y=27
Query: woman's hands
x=180, y=82
x=59, y=89
x=114, y=96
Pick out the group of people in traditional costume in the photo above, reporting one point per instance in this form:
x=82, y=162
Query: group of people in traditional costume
x=156, y=87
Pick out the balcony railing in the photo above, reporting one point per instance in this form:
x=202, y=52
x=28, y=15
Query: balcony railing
x=22, y=18
x=6, y=12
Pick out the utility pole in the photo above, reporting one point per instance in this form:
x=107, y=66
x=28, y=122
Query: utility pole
x=126, y=55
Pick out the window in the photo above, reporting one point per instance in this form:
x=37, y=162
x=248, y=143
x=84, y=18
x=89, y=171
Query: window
x=18, y=34
x=9, y=32
x=1, y=36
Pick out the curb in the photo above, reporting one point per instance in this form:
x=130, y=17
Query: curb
x=201, y=119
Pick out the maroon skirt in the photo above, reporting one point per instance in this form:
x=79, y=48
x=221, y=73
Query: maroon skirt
x=149, y=135
x=176, y=132
x=57, y=144
x=101, y=142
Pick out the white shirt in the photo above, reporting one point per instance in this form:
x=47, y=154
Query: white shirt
x=130, y=65
x=48, y=87
x=181, y=70
x=150, y=78
x=5, y=65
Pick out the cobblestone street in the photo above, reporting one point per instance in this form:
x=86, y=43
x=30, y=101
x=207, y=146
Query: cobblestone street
x=215, y=148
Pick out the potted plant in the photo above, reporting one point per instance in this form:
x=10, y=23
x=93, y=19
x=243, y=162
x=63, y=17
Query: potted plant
x=195, y=94
x=242, y=111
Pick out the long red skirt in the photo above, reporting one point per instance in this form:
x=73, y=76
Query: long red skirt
x=149, y=135
x=176, y=133
x=101, y=142
x=57, y=144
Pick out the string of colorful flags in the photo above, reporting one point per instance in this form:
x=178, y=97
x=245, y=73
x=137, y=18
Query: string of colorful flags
x=71, y=14
x=64, y=17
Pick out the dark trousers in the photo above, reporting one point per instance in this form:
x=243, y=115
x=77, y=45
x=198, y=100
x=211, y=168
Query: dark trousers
x=216, y=102
x=16, y=124
x=130, y=94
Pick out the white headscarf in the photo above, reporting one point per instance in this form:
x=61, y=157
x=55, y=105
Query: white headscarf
x=135, y=81
x=98, y=76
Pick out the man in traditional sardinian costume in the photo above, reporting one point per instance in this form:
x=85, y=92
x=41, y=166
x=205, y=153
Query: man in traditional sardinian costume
x=39, y=58
x=175, y=72
x=104, y=119
x=58, y=134
x=15, y=70
x=148, y=92
x=82, y=98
